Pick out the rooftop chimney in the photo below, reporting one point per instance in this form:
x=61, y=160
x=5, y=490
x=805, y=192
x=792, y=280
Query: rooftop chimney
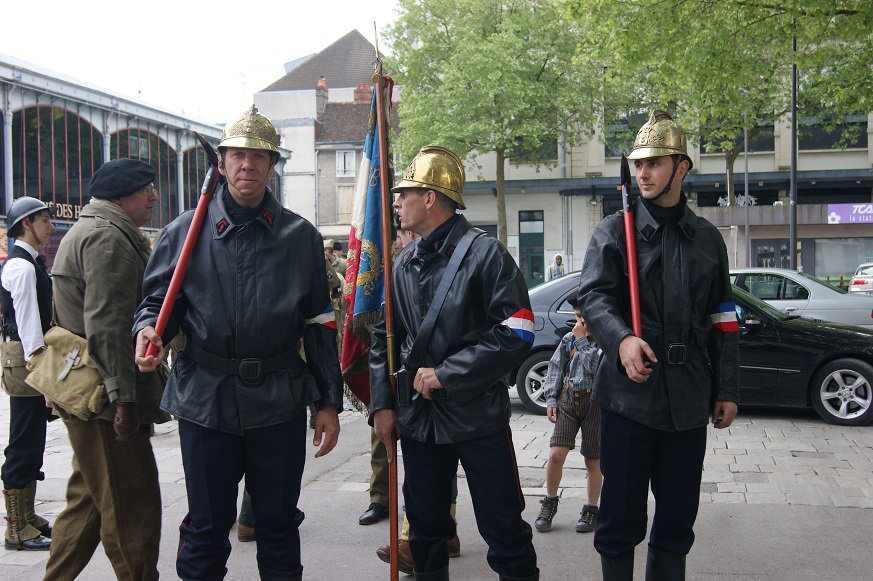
x=363, y=93
x=320, y=96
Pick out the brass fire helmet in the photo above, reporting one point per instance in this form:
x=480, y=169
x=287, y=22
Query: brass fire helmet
x=660, y=136
x=435, y=168
x=251, y=131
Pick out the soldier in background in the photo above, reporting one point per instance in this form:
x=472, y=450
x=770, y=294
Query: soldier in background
x=113, y=495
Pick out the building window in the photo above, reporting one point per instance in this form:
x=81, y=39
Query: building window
x=546, y=151
x=54, y=154
x=153, y=149
x=618, y=137
x=345, y=164
x=345, y=196
x=828, y=132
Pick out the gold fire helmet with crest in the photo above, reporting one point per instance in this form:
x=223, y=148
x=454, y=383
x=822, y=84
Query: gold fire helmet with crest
x=251, y=131
x=660, y=136
x=436, y=168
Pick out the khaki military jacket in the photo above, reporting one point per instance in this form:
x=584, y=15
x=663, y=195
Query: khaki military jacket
x=97, y=277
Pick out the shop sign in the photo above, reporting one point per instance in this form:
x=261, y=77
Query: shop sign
x=66, y=211
x=850, y=213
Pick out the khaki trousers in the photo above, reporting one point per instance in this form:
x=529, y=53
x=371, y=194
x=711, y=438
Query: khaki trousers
x=113, y=496
x=379, y=479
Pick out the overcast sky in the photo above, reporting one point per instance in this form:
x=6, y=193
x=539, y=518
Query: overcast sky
x=203, y=58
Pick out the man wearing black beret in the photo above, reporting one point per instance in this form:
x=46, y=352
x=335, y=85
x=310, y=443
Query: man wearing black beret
x=113, y=495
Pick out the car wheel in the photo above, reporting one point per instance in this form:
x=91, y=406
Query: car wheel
x=531, y=382
x=842, y=392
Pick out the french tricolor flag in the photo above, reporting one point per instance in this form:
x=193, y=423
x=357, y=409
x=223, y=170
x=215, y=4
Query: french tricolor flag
x=724, y=317
x=326, y=318
x=522, y=323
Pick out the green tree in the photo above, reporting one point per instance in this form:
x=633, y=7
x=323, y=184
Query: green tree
x=481, y=76
x=712, y=61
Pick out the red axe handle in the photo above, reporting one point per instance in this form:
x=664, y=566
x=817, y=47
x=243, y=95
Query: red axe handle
x=633, y=278
x=209, y=184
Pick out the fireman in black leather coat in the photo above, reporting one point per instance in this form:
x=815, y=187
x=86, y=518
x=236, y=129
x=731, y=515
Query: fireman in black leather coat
x=658, y=392
x=254, y=288
x=459, y=408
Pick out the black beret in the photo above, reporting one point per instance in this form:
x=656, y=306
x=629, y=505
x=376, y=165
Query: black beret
x=120, y=177
x=337, y=246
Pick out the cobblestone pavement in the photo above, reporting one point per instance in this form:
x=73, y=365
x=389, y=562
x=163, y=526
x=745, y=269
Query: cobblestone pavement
x=777, y=459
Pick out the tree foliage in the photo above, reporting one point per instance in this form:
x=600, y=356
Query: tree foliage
x=711, y=61
x=481, y=76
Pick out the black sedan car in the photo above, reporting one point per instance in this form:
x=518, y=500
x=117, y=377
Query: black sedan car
x=785, y=360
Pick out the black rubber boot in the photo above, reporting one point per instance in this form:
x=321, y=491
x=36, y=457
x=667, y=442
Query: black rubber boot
x=665, y=566
x=441, y=575
x=534, y=577
x=619, y=568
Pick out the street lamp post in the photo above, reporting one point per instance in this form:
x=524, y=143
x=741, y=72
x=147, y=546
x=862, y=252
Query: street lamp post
x=746, y=179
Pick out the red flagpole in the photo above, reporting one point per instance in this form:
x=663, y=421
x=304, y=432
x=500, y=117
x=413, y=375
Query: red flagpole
x=387, y=202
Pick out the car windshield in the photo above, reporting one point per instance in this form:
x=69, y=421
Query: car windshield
x=759, y=304
x=865, y=270
x=823, y=283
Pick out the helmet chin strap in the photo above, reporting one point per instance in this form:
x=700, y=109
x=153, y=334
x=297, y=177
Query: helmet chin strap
x=676, y=160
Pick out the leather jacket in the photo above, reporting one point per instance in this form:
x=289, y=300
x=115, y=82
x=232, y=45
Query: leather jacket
x=685, y=301
x=473, y=346
x=252, y=291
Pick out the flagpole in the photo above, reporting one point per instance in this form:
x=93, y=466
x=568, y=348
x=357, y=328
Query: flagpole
x=387, y=259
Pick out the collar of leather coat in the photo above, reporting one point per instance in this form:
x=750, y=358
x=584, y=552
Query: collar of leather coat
x=448, y=243
x=647, y=226
x=222, y=224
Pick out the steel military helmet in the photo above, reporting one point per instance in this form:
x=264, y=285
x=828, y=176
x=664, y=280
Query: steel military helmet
x=22, y=208
x=436, y=168
x=251, y=131
x=660, y=136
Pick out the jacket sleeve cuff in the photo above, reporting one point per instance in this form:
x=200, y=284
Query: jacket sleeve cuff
x=114, y=390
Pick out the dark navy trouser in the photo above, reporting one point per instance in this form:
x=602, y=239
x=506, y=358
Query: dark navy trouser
x=271, y=458
x=492, y=475
x=27, y=427
x=633, y=455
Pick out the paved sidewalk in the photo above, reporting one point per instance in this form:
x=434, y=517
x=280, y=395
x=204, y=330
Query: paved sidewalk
x=784, y=496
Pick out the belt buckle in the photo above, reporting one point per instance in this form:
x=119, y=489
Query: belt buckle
x=249, y=369
x=676, y=353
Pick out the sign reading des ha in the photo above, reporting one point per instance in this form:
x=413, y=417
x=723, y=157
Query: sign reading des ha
x=850, y=213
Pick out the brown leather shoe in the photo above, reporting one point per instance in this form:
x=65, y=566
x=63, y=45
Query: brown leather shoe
x=404, y=556
x=454, y=546
x=245, y=534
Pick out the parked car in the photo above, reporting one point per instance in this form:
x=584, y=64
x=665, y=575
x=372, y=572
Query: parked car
x=796, y=293
x=785, y=360
x=862, y=280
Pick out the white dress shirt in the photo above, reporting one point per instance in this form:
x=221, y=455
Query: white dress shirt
x=19, y=278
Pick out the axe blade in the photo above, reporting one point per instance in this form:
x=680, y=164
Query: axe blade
x=210, y=152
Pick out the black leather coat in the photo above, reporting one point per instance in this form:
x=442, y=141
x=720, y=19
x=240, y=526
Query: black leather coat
x=684, y=283
x=471, y=349
x=251, y=291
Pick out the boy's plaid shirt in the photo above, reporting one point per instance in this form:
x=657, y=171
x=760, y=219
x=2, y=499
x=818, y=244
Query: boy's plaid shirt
x=575, y=359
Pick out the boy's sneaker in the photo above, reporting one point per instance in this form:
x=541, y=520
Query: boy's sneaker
x=587, y=519
x=549, y=506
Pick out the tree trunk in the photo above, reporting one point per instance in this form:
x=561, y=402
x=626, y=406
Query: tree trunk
x=730, y=157
x=501, y=196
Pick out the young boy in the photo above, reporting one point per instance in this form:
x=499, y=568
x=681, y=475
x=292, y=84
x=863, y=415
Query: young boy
x=571, y=374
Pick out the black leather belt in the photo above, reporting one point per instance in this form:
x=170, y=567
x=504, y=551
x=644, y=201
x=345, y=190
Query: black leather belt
x=247, y=369
x=678, y=353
